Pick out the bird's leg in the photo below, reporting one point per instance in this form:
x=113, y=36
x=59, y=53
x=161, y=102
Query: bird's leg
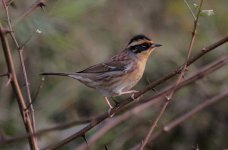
x=110, y=107
x=107, y=101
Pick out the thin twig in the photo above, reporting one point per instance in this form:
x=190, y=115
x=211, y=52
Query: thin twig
x=14, y=83
x=170, y=95
x=99, y=119
x=205, y=71
x=168, y=76
x=43, y=131
x=149, y=102
x=36, y=4
x=20, y=51
x=38, y=90
x=200, y=107
x=9, y=80
x=189, y=51
x=176, y=122
x=4, y=75
x=193, y=14
x=114, y=122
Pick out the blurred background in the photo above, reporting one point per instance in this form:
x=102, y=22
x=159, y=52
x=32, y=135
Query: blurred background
x=79, y=33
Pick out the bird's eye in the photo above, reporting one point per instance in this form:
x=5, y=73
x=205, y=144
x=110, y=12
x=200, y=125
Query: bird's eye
x=146, y=45
x=139, y=48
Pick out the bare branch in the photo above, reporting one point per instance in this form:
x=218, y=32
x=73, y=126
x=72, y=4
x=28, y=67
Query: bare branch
x=20, y=51
x=4, y=75
x=170, y=95
x=9, y=80
x=193, y=15
x=17, y=90
x=38, y=3
x=47, y=130
x=122, y=105
x=168, y=76
x=200, y=107
x=114, y=122
x=158, y=97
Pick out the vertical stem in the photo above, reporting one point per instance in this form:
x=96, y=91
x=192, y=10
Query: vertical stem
x=20, y=51
x=17, y=90
x=171, y=93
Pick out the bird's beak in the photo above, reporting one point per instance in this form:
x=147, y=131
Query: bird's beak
x=155, y=45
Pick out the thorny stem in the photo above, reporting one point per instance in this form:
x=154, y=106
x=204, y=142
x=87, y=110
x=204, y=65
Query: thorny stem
x=20, y=51
x=17, y=90
x=124, y=103
x=158, y=97
x=170, y=95
x=174, y=123
x=36, y=4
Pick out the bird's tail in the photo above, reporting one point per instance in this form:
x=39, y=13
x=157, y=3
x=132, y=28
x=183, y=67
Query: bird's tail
x=55, y=73
x=75, y=75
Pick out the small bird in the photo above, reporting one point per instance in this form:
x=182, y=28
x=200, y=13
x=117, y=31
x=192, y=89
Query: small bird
x=120, y=73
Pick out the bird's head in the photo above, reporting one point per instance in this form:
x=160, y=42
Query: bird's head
x=142, y=46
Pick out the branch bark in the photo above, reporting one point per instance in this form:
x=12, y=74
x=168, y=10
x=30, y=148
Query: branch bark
x=168, y=76
x=176, y=122
x=14, y=83
x=182, y=72
x=158, y=97
x=20, y=52
x=124, y=103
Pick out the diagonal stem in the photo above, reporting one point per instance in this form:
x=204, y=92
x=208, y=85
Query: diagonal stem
x=17, y=90
x=170, y=95
x=20, y=51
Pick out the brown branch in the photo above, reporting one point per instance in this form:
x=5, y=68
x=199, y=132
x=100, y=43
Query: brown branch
x=20, y=51
x=168, y=76
x=189, y=51
x=205, y=71
x=122, y=105
x=4, y=75
x=114, y=122
x=8, y=140
x=38, y=89
x=16, y=88
x=170, y=95
x=200, y=107
x=29, y=10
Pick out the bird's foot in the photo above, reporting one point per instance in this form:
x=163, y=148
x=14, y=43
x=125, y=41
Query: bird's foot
x=110, y=112
x=110, y=108
x=134, y=94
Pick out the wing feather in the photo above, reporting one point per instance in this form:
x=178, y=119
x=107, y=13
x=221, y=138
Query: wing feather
x=106, y=67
